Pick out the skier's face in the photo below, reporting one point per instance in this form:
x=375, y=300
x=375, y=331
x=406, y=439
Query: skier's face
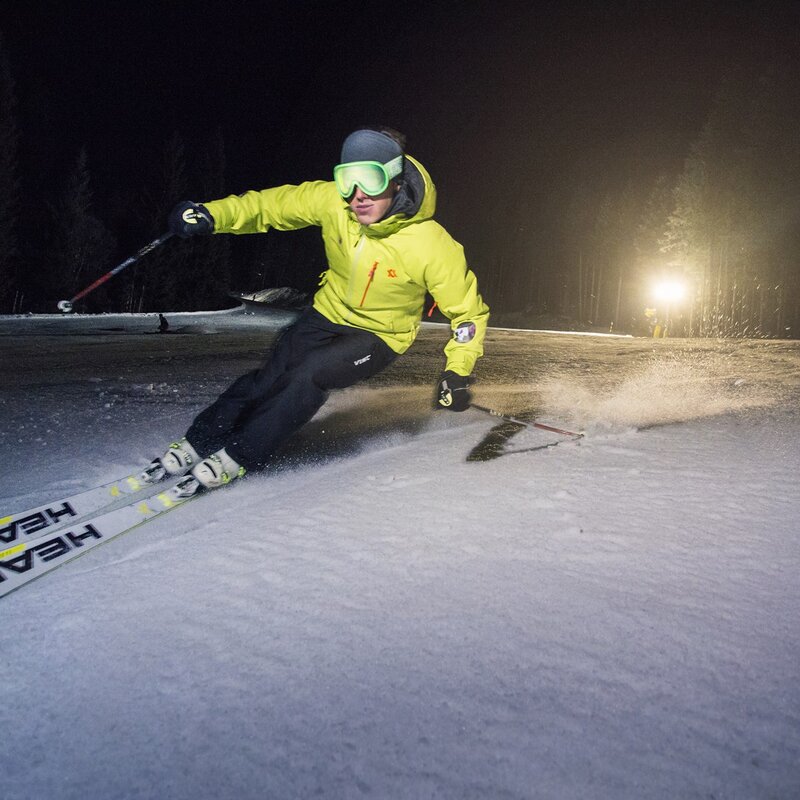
x=371, y=208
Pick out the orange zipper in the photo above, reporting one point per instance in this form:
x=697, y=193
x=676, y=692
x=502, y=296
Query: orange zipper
x=369, y=283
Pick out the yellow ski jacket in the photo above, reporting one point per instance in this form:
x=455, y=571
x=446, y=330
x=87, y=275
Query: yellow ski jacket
x=377, y=274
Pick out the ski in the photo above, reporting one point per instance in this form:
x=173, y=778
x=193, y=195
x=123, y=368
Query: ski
x=49, y=517
x=28, y=560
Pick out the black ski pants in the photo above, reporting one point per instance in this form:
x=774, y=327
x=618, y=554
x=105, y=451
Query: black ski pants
x=259, y=411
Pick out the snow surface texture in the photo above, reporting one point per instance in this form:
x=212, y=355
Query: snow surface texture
x=376, y=617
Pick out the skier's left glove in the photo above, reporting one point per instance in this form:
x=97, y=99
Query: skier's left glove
x=190, y=219
x=453, y=392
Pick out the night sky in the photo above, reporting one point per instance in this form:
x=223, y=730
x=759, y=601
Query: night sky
x=503, y=102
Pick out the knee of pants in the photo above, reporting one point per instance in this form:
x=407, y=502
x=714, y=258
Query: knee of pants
x=305, y=379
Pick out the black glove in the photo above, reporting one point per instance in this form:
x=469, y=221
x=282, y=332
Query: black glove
x=452, y=392
x=190, y=219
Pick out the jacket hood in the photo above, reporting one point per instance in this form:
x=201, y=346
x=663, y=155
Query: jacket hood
x=414, y=202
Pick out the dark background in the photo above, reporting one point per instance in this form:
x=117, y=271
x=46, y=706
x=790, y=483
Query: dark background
x=529, y=117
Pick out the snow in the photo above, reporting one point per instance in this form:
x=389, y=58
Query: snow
x=379, y=617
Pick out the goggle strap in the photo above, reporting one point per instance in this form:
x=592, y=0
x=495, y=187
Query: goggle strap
x=394, y=167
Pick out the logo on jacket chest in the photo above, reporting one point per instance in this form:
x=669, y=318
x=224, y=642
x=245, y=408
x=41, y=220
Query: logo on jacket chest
x=378, y=269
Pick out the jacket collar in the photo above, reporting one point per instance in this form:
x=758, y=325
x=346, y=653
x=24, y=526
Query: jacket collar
x=414, y=202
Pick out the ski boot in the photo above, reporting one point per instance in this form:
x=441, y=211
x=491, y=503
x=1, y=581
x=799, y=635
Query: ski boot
x=176, y=461
x=217, y=470
x=180, y=457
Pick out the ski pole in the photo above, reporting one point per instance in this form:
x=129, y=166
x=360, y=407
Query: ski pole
x=65, y=306
x=540, y=425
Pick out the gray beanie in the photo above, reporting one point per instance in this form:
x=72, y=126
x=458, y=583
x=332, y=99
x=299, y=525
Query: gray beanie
x=369, y=145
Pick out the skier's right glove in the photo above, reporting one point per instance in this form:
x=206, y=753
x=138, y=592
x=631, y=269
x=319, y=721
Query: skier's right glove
x=190, y=219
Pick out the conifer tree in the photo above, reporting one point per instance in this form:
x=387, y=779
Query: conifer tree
x=736, y=207
x=211, y=255
x=79, y=247
x=9, y=187
x=163, y=281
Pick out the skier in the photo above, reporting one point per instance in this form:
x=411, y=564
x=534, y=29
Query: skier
x=384, y=253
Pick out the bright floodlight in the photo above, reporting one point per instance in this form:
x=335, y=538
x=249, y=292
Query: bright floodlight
x=670, y=290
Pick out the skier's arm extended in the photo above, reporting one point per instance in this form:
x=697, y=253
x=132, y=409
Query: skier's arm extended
x=283, y=207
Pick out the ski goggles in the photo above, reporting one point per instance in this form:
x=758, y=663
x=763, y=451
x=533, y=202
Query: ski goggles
x=371, y=177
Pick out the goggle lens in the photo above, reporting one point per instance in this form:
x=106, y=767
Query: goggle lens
x=371, y=177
